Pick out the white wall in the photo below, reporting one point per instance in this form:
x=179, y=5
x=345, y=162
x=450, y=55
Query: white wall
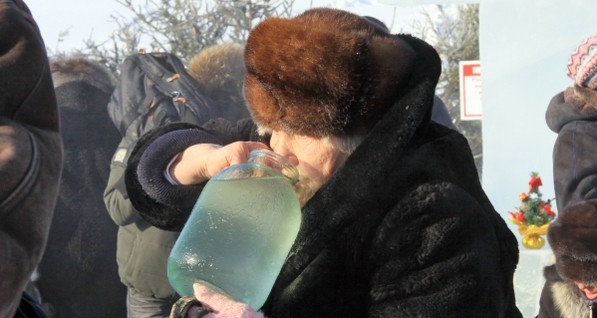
x=524, y=45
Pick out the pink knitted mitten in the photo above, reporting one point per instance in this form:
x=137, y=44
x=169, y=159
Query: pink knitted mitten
x=222, y=306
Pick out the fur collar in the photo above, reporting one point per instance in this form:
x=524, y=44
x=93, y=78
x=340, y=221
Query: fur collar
x=568, y=300
x=583, y=99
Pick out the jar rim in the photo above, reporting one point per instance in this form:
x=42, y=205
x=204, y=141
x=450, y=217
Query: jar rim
x=275, y=161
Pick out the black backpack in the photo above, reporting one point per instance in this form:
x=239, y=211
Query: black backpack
x=155, y=89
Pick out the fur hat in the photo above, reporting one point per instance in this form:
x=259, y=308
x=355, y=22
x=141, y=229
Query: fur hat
x=219, y=71
x=582, y=65
x=378, y=23
x=326, y=72
x=573, y=238
x=66, y=69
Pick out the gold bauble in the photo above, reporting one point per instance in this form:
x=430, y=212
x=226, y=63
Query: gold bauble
x=533, y=241
x=532, y=235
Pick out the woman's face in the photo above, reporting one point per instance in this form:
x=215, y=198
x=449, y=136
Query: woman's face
x=589, y=291
x=316, y=159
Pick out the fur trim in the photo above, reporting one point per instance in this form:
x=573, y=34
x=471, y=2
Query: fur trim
x=568, y=301
x=219, y=70
x=572, y=237
x=78, y=68
x=325, y=72
x=583, y=99
x=171, y=213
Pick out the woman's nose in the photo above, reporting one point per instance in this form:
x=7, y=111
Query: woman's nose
x=280, y=143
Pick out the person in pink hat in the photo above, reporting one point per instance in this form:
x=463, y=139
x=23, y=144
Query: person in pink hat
x=572, y=115
x=570, y=289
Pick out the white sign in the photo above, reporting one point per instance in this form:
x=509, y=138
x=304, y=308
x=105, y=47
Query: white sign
x=470, y=90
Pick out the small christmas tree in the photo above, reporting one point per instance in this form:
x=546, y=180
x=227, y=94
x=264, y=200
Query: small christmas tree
x=533, y=210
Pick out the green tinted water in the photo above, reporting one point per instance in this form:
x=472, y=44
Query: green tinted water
x=237, y=238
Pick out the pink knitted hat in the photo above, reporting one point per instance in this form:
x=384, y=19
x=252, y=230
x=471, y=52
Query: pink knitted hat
x=582, y=65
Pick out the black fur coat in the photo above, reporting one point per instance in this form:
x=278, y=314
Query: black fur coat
x=393, y=234
x=403, y=229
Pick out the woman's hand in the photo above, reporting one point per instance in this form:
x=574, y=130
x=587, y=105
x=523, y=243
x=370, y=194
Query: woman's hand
x=200, y=162
x=221, y=306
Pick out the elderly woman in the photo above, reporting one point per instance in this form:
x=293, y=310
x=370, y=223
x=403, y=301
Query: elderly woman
x=395, y=222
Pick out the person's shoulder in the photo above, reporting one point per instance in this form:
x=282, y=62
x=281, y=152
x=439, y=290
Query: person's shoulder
x=439, y=200
x=444, y=220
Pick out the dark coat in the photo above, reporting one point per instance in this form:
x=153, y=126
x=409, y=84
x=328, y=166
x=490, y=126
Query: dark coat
x=30, y=151
x=417, y=238
x=572, y=114
x=403, y=229
x=574, y=119
x=82, y=237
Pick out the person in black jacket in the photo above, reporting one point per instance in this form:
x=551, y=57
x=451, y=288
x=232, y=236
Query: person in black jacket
x=570, y=284
x=395, y=222
x=30, y=157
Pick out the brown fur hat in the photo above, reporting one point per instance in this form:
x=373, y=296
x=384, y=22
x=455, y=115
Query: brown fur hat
x=326, y=72
x=573, y=238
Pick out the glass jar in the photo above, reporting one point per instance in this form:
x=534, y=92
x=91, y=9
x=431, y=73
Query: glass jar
x=240, y=230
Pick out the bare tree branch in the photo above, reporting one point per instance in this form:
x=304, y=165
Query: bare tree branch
x=454, y=32
x=181, y=27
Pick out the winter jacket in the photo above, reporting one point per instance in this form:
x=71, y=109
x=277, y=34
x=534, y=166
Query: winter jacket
x=572, y=115
x=141, y=250
x=82, y=237
x=402, y=229
x=30, y=152
x=561, y=298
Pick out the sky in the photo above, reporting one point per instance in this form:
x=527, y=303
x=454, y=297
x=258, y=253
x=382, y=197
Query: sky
x=66, y=24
